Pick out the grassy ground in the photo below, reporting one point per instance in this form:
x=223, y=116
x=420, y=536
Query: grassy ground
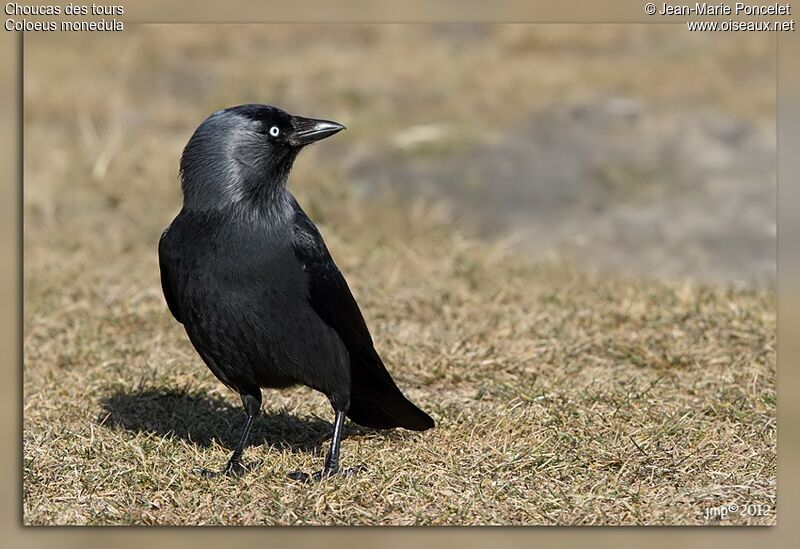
x=561, y=397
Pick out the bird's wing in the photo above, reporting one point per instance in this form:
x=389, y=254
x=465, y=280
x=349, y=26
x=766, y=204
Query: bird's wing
x=375, y=399
x=164, y=262
x=328, y=291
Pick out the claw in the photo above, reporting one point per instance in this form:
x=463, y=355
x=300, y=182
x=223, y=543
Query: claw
x=300, y=476
x=234, y=469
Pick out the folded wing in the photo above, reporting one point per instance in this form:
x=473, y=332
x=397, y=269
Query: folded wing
x=375, y=401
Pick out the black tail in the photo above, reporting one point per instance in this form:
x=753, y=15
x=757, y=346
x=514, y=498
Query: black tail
x=377, y=402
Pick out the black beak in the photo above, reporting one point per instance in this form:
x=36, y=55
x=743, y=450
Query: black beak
x=308, y=130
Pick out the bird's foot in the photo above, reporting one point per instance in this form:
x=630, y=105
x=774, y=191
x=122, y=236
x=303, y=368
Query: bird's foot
x=233, y=469
x=326, y=474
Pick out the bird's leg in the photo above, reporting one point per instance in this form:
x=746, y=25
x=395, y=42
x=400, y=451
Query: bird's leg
x=332, y=460
x=235, y=467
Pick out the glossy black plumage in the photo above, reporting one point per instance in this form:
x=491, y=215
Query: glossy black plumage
x=248, y=274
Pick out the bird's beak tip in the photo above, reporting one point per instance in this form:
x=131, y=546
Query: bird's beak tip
x=309, y=130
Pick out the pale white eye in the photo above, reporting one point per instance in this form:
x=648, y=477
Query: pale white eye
x=274, y=131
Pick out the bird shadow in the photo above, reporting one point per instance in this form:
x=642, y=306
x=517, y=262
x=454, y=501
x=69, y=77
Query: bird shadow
x=204, y=420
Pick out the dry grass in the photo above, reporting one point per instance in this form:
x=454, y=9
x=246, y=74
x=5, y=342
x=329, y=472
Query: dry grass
x=561, y=397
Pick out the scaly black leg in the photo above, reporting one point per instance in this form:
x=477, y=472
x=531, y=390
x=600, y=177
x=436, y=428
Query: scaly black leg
x=235, y=467
x=332, y=460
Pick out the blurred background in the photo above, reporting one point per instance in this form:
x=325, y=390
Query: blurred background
x=634, y=148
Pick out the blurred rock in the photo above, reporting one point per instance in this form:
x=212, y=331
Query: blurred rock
x=612, y=184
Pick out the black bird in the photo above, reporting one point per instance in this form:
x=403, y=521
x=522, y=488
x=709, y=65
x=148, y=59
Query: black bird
x=248, y=275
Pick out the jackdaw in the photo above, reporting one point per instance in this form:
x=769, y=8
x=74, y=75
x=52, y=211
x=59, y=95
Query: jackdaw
x=248, y=275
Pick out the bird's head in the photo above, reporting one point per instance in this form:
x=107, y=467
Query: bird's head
x=245, y=153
